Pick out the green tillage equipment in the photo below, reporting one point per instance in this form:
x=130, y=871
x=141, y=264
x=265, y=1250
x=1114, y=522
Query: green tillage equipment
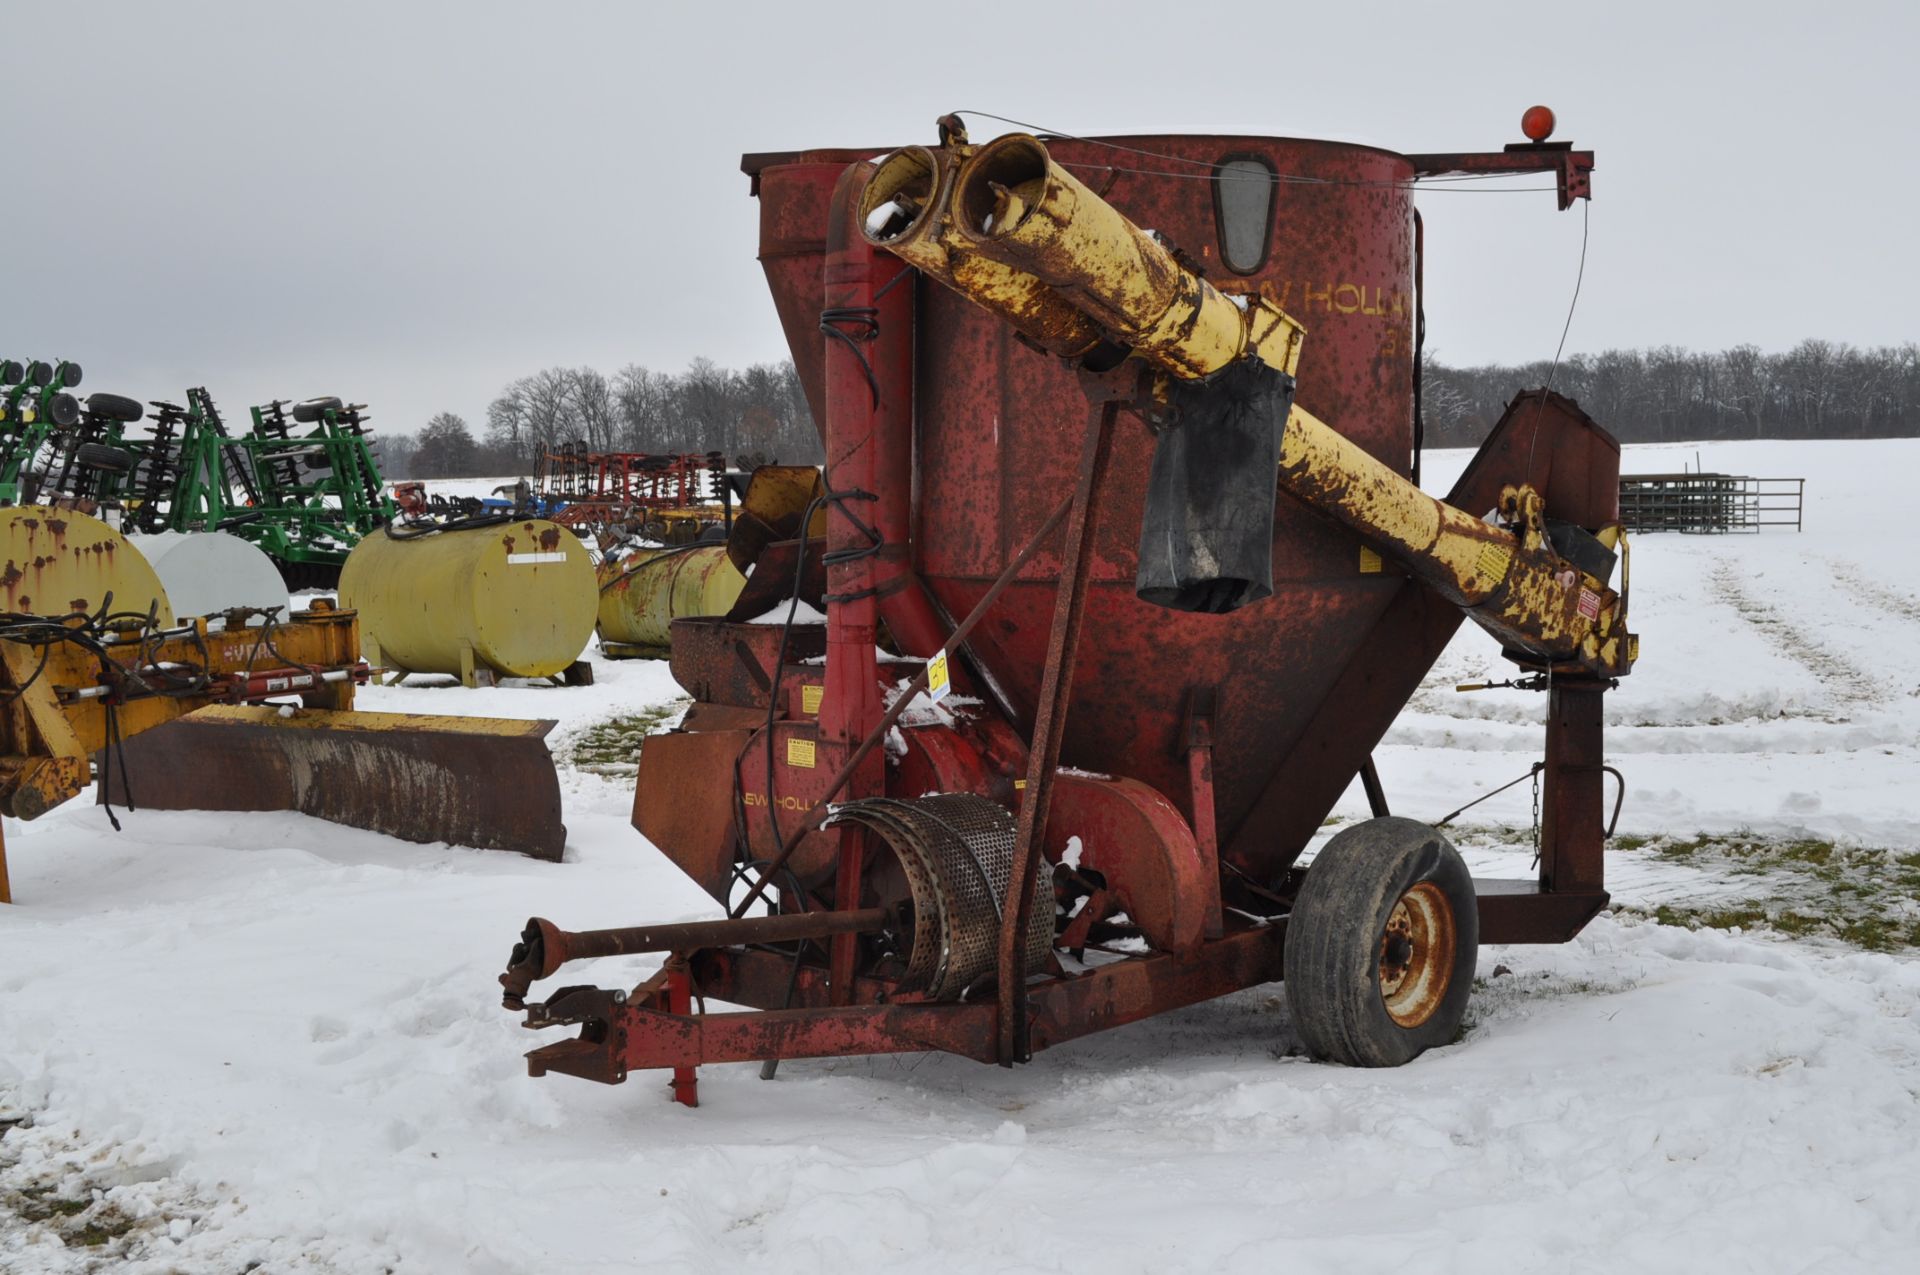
x=302, y=485
x=35, y=407
x=318, y=490
x=304, y=496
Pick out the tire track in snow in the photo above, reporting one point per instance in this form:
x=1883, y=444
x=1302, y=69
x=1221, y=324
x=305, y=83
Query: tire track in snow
x=1902, y=606
x=1845, y=682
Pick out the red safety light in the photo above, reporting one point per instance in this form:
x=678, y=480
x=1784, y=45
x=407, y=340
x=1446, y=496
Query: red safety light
x=1537, y=123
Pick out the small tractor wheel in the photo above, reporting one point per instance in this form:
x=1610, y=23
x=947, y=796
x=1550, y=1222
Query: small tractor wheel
x=63, y=409
x=115, y=407
x=100, y=456
x=1381, y=945
x=314, y=408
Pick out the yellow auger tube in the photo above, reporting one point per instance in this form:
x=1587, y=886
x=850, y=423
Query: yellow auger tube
x=906, y=208
x=1013, y=203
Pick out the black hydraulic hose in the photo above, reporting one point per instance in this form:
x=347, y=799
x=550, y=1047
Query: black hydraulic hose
x=394, y=532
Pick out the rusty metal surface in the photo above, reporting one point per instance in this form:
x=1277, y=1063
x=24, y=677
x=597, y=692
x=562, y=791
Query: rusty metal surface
x=679, y=799
x=642, y=594
x=1050, y=715
x=480, y=782
x=956, y=852
x=618, y=1036
x=1416, y=955
x=1127, y=991
x=1014, y=203
x=1573, y=821
x=1521, y=912
x=772, y=581
x=919, y=184
x=777, y=498
x=724, y=662
x=54, y=562
x=60, y=703
x=1142, y=848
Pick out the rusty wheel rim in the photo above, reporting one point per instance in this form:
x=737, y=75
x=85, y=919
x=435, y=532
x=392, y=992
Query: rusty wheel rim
x=1416, y=955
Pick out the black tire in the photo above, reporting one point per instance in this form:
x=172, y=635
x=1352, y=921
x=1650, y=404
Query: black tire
x=39, y=375
x=1360, y=995
x=70, y=374
x=115, y=407
x=102, y=457
x=302, y=576
x=11, y=371
x=312, y=409
x=63, y=409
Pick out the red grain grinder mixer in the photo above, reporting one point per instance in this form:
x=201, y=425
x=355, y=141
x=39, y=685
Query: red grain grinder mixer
x=1079, y=474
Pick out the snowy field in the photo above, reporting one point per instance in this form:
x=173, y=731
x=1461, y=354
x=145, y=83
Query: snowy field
x=237, y=1043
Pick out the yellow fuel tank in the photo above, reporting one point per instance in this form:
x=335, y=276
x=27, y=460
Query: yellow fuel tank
x=642, y=594
x=54, y=562
x=513, y=599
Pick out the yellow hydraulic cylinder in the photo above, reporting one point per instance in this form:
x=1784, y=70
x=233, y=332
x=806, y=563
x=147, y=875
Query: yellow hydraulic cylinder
x=514, y=600
x=642, y=594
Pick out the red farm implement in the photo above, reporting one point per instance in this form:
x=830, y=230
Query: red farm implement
x=1166, y=550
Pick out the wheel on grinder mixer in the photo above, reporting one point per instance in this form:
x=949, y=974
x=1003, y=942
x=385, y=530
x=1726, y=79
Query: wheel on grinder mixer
x=1381, y=945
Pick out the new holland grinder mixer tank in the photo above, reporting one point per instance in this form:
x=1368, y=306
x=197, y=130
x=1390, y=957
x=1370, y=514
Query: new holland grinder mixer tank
x=1142, y=501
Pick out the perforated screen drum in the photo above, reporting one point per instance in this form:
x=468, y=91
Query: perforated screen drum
x=956, y=851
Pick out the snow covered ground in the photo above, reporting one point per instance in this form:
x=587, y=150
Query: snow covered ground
x=259, y=1042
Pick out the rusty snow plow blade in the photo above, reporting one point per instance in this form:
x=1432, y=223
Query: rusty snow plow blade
x=483, y=782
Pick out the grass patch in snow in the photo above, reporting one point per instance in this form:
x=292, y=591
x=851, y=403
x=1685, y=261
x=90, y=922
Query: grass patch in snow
x=75, y=1209
x=612, y=747
x=1803, y=887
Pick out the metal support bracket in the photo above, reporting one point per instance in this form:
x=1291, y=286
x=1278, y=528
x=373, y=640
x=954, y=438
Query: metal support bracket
x=1043, y=752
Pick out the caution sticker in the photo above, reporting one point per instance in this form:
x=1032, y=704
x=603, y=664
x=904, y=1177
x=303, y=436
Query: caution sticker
x=799, y=752
x=1589, y=604
x=533, y=559
x=939, y=682
x=1492, y=562
x=810, y=697
x=1370, y=563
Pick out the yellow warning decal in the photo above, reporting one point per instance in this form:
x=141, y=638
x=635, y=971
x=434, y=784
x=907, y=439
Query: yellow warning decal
x=800, y=752
x=1492, y=562
x=810, y=697
x=939, y=681
x=1370, y=564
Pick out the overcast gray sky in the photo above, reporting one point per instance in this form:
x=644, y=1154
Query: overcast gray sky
x=412, y=203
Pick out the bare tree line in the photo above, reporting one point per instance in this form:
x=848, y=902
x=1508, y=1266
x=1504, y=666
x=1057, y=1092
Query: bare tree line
x=759, y=411
x=1818, y=389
